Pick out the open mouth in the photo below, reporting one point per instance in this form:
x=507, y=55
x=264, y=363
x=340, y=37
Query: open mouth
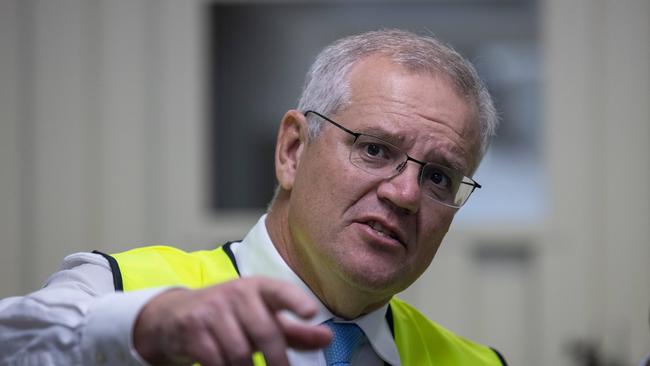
x=382, y=230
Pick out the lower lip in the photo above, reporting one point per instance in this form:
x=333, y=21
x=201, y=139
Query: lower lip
x=374, y=237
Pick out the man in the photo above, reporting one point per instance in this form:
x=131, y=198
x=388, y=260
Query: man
x=371, y=169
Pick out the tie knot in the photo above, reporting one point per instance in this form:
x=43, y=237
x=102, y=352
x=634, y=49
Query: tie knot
x=347, y=338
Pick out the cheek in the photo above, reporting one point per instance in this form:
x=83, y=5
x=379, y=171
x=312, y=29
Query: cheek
x=433, y=230
x=321, y=193
x=331, y=182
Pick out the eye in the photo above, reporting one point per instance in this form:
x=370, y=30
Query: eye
x=438, y=180
x=372, y=153
x=375, y=150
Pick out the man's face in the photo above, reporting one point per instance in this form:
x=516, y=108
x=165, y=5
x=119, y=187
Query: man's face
x=379, y=235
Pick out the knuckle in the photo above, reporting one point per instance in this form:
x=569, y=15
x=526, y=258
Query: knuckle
x=255, y=281
x=234, y=289
x=189, y=323
x=218, y=302
x=236, y=292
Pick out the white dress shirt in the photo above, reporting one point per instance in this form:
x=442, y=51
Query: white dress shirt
x=77, y=318
x=256, y=255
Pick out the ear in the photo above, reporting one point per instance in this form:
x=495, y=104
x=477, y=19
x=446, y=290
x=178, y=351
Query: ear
x=292, y=138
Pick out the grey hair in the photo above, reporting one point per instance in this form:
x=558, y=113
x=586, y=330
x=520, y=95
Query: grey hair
x=327, y=88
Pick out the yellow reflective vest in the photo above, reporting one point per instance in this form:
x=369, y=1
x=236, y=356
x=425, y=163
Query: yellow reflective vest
x=419, y=341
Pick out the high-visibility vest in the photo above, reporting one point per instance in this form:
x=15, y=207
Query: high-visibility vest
x=419, y=341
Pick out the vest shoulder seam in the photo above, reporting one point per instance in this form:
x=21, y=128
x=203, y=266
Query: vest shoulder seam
x=115, y=270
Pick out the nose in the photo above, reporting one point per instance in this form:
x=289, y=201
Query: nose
x=402, y=190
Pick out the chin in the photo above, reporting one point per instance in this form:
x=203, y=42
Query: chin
x=377, y=280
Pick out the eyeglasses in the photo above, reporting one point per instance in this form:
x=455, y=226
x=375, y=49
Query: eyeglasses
x=383, y=159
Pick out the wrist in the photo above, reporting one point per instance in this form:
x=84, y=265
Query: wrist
x=148, y=329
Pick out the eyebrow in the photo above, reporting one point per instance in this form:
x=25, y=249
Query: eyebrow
x=440, y=158
x=383, y=135
x=443, y=160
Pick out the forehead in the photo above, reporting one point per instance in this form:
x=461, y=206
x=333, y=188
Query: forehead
x=420, y=112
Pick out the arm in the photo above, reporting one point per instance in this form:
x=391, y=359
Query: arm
x=77, y=318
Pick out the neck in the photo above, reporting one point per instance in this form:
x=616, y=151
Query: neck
x=341, y=297
x=350, y=305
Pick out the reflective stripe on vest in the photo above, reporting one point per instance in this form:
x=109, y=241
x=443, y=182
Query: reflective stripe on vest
x=419, y=341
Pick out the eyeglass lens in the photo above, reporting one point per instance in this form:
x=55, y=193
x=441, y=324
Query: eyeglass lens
x=379, y=158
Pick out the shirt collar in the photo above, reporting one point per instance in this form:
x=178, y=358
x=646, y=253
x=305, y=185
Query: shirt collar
x=256, y=256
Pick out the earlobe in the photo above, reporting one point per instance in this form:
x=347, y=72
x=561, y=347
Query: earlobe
x=292, y=138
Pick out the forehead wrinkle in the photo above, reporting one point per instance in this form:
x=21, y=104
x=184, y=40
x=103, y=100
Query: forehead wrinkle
x=406, y=115
x=395, y=138
x=444, y=153
x=441, y=144
x=449, y=126
x=407, y=109
x=462, y=140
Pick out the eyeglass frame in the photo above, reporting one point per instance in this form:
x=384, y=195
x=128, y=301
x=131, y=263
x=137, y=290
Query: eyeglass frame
x=475, y=185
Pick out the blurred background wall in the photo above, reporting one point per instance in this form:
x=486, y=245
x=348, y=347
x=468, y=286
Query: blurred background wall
x=113, y=114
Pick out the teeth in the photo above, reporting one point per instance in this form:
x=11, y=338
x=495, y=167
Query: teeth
x=380, y=229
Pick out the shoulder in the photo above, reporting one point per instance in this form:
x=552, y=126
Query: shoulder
x=408, y=314
x=156, y=266
x=83, y=258
x=84, y=271
x=414, y=330
x=149, y=252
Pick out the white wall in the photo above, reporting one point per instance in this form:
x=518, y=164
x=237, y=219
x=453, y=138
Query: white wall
x=10, y=157
x=102, y=141
x=102, y=131
x=597, y=266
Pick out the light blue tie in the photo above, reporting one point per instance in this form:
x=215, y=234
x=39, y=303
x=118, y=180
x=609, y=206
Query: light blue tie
x=347, y=338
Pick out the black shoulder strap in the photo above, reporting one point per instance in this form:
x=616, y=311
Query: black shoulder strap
x=391, y=325
x=115, y=268
x=389, y=320
x=501, y=358
x=228, y=250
